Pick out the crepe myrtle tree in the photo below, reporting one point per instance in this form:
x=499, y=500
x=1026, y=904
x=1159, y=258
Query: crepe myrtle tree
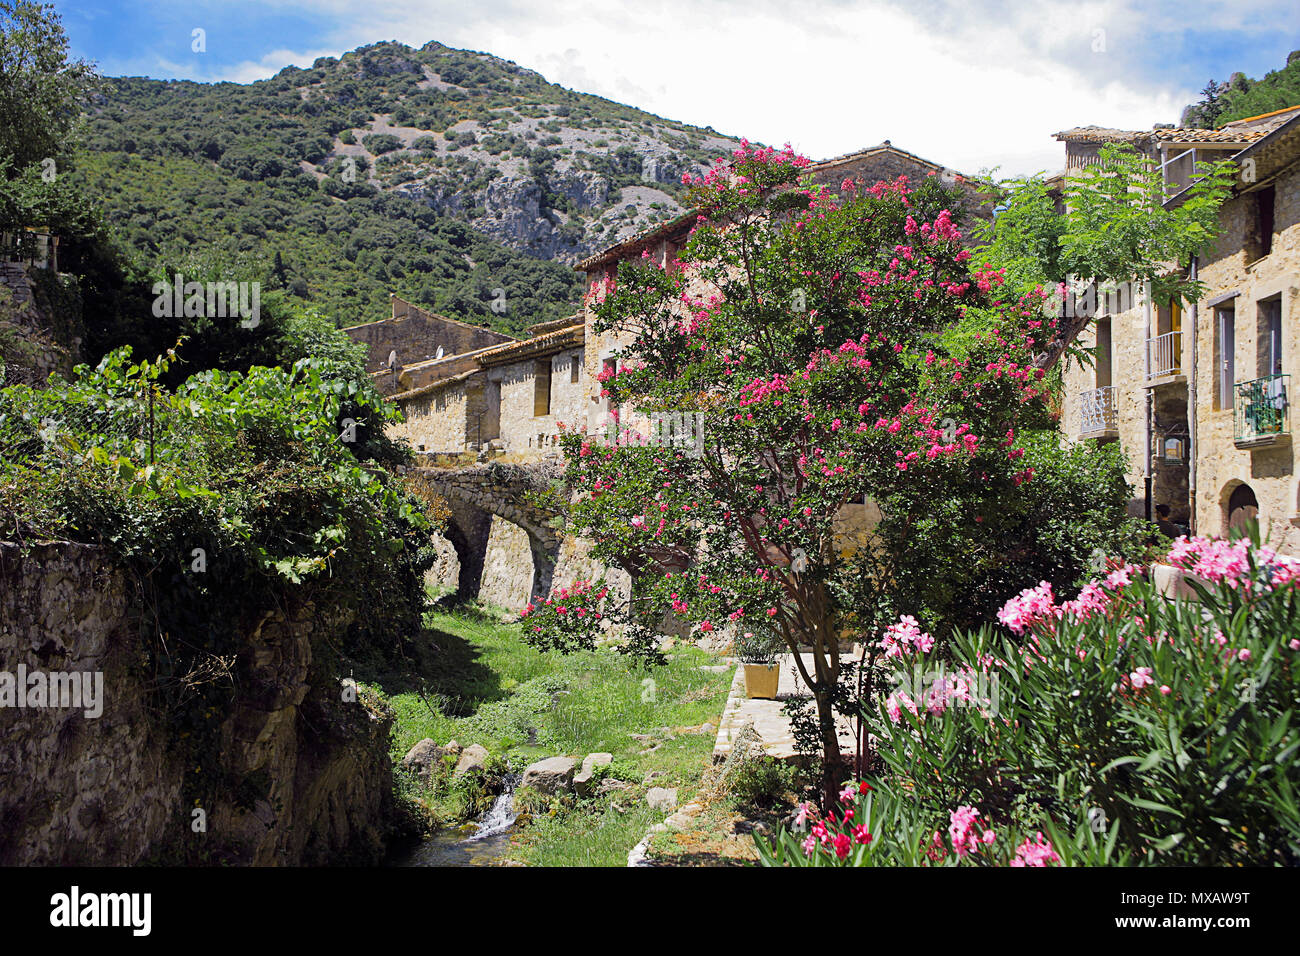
x=806, y=326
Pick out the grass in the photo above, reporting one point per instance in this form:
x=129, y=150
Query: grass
x=475, y=680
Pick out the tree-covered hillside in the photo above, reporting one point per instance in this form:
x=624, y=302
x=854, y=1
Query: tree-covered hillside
x=437, y=174
x=1241, y=96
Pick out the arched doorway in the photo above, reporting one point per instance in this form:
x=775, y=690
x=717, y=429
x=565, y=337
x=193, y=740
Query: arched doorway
x=1241, y=508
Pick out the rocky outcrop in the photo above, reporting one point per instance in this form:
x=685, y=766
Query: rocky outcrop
x=662, y=798
x=582, y=783
x=552, y=775
x=473, y=757
x=297, y=773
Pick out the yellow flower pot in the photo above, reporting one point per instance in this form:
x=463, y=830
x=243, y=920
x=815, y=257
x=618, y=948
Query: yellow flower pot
x=761, y=680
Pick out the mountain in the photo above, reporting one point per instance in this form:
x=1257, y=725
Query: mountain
x=454, y=179
x=1241, y=96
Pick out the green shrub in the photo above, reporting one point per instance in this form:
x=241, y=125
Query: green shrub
x=1126, y=726
x=378, y=143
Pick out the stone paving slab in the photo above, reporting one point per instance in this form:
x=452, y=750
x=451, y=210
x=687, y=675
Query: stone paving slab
x=772, y=726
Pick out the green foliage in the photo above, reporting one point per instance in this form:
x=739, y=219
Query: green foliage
x=378, y=143
x=956, y=564
x=227, y=497
x=41, y=89
x=762, y=783
x=1242, y=97
x=1116, y=227
x=1144, y=731
x=163, y=208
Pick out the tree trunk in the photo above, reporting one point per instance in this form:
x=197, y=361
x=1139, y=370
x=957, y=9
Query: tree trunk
x=832, y=764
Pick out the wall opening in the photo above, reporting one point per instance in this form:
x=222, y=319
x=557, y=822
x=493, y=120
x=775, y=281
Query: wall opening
x=1240, y=508
x=1268, y=337
x=541, y=387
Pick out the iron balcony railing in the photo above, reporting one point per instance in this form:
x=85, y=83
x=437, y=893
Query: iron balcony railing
x=1097, y=410
x=1165, y=355
x=1261, y=410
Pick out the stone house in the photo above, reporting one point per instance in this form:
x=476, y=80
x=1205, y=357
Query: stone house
x=1198, y=393
x=502, y=399
x=406, y=349
x=869, y=166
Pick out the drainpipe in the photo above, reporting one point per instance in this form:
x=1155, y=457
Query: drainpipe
x=1191, y=409
x=1150, y=400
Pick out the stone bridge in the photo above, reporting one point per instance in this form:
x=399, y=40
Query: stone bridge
x=513, y=492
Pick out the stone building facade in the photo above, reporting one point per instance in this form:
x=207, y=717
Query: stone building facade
x=412, y=337
x=1198, y=393
x=503, y=401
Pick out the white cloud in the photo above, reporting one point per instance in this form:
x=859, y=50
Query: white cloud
x=971, y=85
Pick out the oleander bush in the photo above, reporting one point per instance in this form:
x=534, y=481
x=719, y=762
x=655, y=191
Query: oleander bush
x=1124, y=726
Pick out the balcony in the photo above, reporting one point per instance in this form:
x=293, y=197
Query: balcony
x=1097, y=418
x=1261, y=412
x=1165, y=358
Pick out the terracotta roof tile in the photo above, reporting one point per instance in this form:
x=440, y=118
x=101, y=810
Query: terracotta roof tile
x=573, y=335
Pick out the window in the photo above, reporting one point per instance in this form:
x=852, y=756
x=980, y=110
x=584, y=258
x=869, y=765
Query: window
x=1225, y=347
x=575, y=368
x=1102, y=353
x=541, y=387
x=1264, y=200
x=1269, y=338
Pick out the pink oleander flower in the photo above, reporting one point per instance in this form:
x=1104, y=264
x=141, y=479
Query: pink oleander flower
x=1031, y=853
x=1029, y=607
x=906, y=632
x=1141, y=678
x=961, y=830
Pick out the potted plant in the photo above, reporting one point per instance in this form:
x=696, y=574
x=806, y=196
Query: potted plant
x=759, y=650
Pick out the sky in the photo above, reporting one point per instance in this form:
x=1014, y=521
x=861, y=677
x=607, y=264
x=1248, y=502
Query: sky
x=975, y=85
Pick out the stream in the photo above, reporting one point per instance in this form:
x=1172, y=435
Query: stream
x=483, y=847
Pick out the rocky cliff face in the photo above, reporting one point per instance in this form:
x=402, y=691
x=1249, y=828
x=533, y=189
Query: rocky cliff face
x=302, y=762
x=548, y=172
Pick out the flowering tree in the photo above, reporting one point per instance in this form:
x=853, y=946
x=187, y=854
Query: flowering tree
x=809, y=330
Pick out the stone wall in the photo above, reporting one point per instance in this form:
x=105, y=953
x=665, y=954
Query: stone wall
x=436, y=419
x=415, y=335
x=1270, y=472
x=41, y=325
x=522, y=430
x=507, y=567
x=76, y=790
x=1128, y=377
x=304, y=774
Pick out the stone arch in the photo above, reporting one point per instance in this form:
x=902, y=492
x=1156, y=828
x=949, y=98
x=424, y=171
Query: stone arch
x=478, y=492
x=1238, y=504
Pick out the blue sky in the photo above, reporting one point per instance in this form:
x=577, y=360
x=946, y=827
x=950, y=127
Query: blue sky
x=973, y=84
